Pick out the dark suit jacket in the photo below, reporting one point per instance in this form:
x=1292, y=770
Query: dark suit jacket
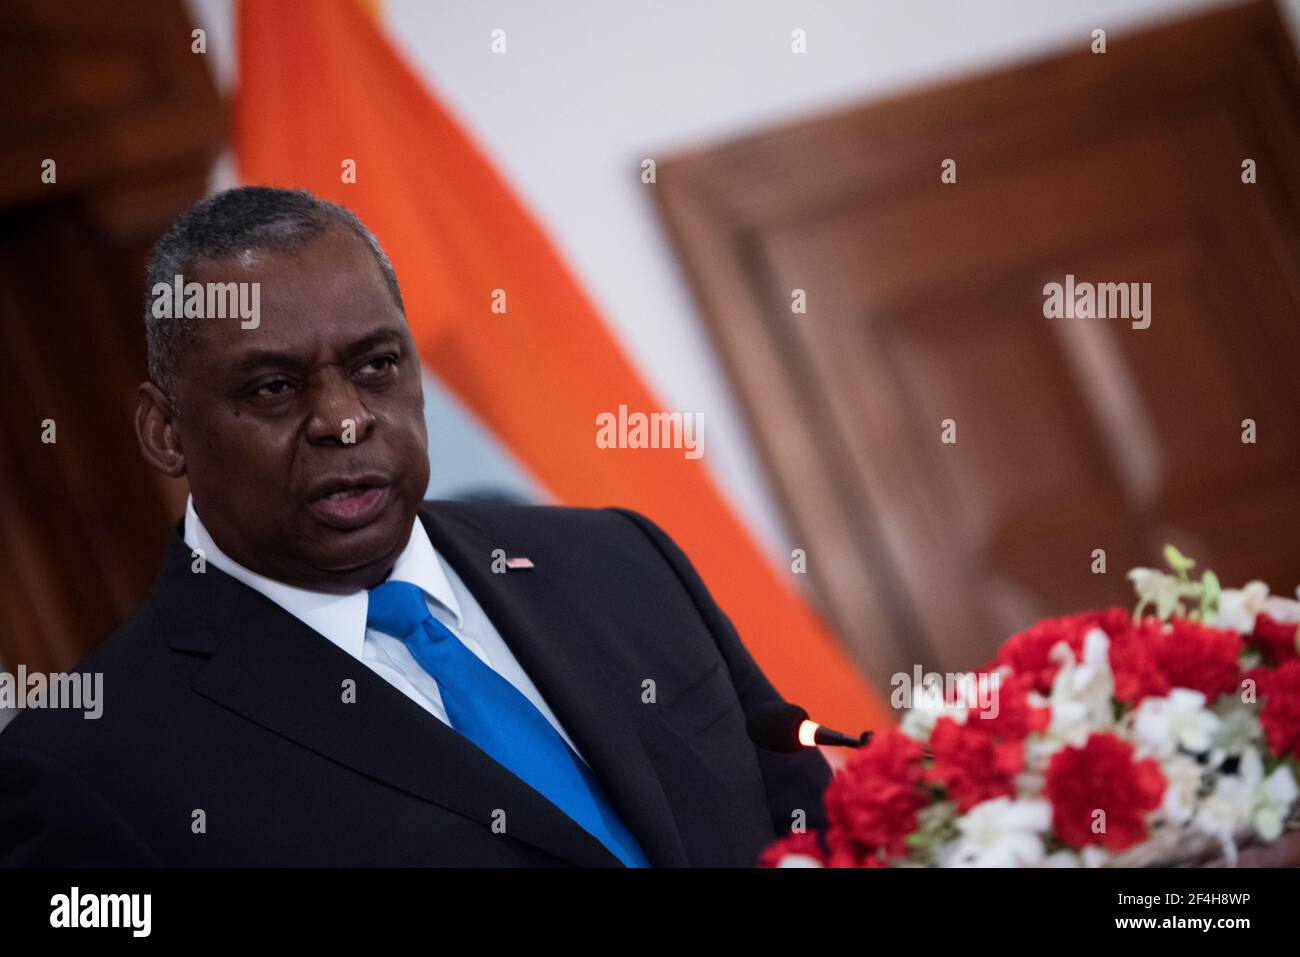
x=217, y=700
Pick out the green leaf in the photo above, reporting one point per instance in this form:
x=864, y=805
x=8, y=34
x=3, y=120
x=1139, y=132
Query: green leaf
x=1209, y=594
x=1177, y=560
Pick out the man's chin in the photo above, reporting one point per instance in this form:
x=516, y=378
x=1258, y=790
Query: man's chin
x=358, y=557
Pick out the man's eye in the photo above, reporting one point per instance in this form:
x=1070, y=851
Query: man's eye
x=379, y=365
x=276, y=387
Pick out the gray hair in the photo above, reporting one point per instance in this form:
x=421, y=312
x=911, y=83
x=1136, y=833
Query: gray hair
x=247, y=219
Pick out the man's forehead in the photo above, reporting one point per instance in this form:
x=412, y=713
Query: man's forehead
x=302, y=332
x=328, y=294
x=333, y=258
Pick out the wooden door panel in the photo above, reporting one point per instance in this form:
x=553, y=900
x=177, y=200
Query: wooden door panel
x=113, y=94
x=925, y=303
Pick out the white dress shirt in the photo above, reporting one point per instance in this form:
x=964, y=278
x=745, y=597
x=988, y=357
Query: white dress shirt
x=342, y=619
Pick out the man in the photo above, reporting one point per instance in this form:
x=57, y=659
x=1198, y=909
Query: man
x=326, y=673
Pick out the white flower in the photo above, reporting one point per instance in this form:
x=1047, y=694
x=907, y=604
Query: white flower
x=1239, y=606
x=1156, y=587
x=1038, y=755
x=798, y=860
x=1183, y=777
x=1272, y=799
x=1228, y=808
x=1285, y=610
x=918, y=723
x=919, y=720
x=1081, y=691
x=1000, y=833
x=1238, y=729
x=928, y=702
x=1180, y=720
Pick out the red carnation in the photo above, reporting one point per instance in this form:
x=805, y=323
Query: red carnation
x=1193, y=655
x=1029, y=652
x=972, y=765
x=1277, y=639
x=872, y=803
x=846, y=858
x=1280, y=714
x=1102, y=776
x=806, y=844
x=1151, y=659
x=1133, y=662
x=1011, y=717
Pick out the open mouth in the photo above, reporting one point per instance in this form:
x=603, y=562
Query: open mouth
x=351, y=506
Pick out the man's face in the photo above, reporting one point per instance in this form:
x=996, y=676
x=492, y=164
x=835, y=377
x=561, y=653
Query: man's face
x=304, y=438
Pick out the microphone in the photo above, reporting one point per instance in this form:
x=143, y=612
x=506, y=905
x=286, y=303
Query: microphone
x=778, y=726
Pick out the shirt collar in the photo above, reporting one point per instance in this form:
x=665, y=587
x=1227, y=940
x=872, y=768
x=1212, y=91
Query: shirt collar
x=340, y=618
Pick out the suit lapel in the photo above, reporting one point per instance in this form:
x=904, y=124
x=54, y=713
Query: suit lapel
x=565, y=663
x=269, y=667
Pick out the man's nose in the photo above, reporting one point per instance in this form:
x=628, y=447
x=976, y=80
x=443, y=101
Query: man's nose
x=338, y=416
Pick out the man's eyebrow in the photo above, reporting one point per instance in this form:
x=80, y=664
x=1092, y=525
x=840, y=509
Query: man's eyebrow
x=273, y=359
x=267, y=358
x=378, y=338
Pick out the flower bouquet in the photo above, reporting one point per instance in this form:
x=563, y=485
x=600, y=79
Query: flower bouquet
x=1162, y=736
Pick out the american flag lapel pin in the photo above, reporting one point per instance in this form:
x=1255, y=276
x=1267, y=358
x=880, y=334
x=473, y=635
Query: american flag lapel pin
x=519, y=562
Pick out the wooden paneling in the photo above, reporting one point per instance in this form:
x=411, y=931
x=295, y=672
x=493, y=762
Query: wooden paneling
x=925, y=303
x=106, y=89
x=112, y=93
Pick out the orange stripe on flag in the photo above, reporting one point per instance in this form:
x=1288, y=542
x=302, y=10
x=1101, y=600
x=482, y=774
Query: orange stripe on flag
x=319, y=85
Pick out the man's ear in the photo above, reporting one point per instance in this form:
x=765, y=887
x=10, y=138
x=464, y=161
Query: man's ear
x=155, y=428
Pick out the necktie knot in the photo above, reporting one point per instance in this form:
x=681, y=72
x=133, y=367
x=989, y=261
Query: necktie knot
x=396, y=608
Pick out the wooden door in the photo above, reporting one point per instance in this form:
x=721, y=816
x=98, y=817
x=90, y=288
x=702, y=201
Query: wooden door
x=925, y=310
x=114, y=95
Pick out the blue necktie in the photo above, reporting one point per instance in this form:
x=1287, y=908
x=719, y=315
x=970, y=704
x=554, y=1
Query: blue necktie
x=489, y=711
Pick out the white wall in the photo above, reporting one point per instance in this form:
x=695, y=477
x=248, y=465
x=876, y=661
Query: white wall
x=589, y=88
